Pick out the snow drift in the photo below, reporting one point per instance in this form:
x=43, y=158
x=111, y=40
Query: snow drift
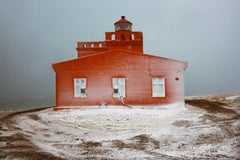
x=168, y=132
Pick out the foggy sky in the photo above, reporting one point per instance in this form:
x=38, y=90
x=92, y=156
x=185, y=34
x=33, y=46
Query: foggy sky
x=36, y=33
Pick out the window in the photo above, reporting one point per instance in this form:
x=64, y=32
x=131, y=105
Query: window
x=80, y=85
x=118, y=87
x=123, y=26
x=113, y=37
x=158, y=87
x=132, y=37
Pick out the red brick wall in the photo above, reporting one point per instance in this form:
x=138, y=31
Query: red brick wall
x=138, y=69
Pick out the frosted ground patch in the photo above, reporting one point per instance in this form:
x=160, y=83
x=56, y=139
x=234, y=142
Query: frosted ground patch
x=208, y=129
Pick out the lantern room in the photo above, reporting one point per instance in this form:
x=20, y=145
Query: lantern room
x=123, y=24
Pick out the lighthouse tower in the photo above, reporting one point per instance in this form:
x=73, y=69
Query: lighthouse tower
x=122, y=38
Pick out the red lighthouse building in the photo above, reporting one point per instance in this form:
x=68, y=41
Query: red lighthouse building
x=117, y=72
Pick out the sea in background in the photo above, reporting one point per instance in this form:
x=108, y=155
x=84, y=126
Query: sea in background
x=14, y=104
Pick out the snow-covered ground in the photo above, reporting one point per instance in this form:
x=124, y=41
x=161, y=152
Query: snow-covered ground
x=168, y=132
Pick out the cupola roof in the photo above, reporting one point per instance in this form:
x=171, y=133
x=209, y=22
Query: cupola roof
x=123, y=20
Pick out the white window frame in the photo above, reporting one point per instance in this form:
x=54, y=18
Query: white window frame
x=118, y=85
x=158, y=87
x=80, y=87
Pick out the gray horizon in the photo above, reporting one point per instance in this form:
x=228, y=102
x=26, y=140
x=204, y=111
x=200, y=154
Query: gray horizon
x=35, y=34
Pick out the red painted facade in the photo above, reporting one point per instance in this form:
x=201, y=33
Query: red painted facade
x=142, y=79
